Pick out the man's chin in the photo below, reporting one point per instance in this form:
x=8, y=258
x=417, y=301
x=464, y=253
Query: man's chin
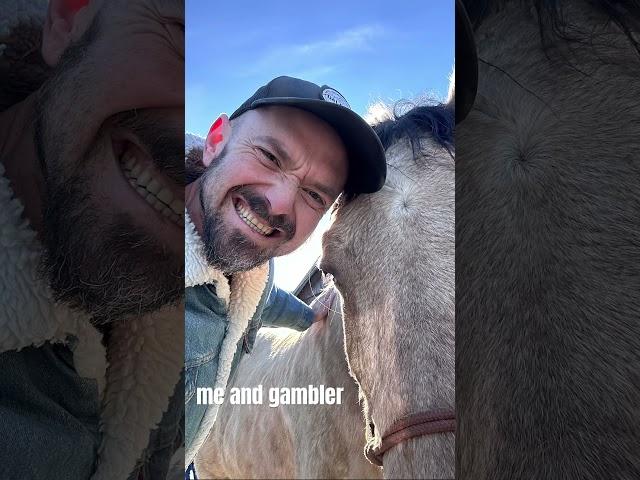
x=237, y=262
x=232, y=252
x=110, y=271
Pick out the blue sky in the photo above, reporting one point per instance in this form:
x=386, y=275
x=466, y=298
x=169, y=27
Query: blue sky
x=366, y=50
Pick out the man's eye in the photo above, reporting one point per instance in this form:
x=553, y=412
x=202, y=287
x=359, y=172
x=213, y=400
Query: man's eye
x=316, y=197
x=269, y=155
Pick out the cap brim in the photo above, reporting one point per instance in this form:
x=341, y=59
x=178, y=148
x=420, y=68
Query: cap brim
x=367, y=162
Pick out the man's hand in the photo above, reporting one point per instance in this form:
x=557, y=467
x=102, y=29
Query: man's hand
x=322, y=305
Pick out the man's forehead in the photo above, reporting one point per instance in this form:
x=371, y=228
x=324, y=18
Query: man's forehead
x=258, y=123
x=287, y=124
x=272, y=117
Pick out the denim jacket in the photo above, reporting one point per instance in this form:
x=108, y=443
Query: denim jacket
x=206, y=318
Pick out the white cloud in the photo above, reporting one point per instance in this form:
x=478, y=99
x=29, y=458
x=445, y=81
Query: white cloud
x=316, y=56
x=314, y=74
x=358, y=38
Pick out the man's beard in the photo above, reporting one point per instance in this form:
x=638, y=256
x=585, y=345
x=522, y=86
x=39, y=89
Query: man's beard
x=96, y=260
x=227, y=249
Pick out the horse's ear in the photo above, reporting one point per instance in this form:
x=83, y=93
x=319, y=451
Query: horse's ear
x=451, y=95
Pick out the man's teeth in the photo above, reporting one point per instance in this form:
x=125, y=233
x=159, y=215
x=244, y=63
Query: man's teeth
x=153, y=189
x=252, y=221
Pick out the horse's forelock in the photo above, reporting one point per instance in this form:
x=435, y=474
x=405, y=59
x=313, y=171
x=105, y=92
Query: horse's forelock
x=417, y=123
x=553, y=20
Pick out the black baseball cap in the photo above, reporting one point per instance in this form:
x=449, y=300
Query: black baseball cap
x=367, y=164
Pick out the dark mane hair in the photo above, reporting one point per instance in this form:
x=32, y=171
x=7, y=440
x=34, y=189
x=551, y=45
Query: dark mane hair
x=435, y=121
x=552, y=18
x=415, y=122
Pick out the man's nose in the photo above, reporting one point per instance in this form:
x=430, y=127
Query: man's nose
x=281, y=197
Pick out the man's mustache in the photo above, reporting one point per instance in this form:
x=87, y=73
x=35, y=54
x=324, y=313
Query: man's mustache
x=259, y=205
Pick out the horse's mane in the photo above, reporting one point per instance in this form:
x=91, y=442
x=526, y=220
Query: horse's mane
x=436, y=122
x=552, y=17
x=406, y=119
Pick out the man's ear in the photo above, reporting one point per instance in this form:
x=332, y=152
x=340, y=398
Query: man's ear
x=217, y=139
x=66, y=21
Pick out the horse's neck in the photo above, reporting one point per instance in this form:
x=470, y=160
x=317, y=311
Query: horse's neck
x=416, y=372
x=429, y=456
x=323, y=339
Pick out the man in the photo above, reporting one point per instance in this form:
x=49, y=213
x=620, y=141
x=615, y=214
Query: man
x=271, y=171
x=91, y=189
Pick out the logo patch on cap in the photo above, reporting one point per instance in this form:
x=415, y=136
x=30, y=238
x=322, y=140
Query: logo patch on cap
x=333, y=96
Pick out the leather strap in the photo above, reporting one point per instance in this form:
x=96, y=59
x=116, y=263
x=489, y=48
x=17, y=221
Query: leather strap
x=411, y=426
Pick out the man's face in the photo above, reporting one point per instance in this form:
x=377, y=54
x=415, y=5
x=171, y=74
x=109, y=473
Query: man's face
x=265, y=193
x=110, y=132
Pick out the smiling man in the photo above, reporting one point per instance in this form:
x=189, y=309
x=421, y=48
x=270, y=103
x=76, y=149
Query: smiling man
x=91, y=237
x=271, y=171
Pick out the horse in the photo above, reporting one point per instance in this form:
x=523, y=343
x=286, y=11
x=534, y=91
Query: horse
x=291, y=441
x=391, y=255
x=547, y=235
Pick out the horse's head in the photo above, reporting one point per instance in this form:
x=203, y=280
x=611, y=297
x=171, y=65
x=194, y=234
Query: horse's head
x=547, y=235
x=391, y=254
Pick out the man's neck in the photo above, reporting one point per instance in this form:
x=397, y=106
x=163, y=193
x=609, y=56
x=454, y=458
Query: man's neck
x=193, y=206
x=19, y=157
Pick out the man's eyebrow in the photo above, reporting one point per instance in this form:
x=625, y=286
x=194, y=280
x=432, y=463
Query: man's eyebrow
x=281, y=153
x=326, y=190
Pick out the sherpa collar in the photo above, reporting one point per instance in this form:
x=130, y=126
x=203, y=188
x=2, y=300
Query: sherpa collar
x=137, y=373
x=144, y=357
x=242, y=296
x=197, y=270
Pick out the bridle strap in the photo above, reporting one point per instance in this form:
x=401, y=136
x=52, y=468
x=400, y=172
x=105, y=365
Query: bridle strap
x=411, y=426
